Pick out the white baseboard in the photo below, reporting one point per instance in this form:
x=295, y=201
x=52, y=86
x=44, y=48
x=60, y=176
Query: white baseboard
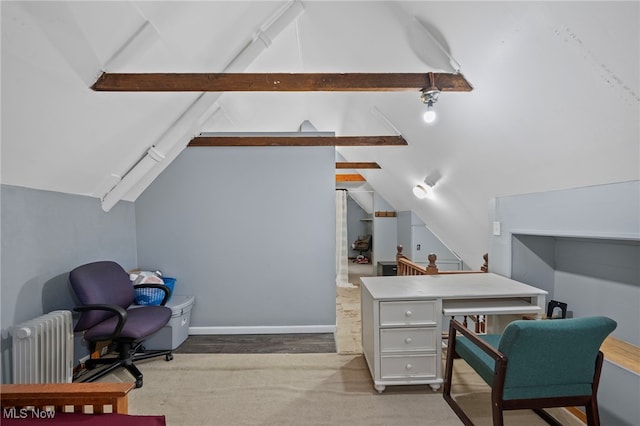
x=284, y=329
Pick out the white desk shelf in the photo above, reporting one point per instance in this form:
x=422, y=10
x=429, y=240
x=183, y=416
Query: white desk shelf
x=489, y=307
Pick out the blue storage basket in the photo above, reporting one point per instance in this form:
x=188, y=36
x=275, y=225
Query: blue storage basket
x=154, y=296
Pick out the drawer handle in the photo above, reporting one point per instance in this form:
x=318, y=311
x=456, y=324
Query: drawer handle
x=409, y=367
x=408, y=314
x=408, y=340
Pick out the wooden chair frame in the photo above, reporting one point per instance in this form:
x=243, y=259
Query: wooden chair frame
x=498, y=404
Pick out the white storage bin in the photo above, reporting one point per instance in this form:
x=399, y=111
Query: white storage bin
x=177, y=329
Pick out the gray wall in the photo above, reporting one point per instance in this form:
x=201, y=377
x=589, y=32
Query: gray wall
x=607, y=211
x=533, y=261
x=44, y=236
x=250, y=232
x=405, y=238
x=601, y=277
x=593, y=276
x=385, y=232
x=583, y=246
x=412, y=232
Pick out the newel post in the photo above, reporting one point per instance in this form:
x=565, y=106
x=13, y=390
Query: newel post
x=399, y=254
x=485, y=266
x=431, y=267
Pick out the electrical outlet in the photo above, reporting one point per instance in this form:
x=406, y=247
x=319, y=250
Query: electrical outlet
x=418, y=247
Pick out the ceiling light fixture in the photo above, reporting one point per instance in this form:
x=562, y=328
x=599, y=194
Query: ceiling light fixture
x=421, y=190
x=429, y=96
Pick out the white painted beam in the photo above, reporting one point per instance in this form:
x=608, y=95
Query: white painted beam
x=178, y=135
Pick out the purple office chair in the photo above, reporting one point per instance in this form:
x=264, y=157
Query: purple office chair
x=105, y=292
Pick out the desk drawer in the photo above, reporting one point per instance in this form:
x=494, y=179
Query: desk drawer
x=407, y=366
x=418, y=312
x=407, y=339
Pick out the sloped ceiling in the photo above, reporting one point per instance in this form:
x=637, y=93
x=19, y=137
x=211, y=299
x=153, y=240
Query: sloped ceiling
x=555, y=102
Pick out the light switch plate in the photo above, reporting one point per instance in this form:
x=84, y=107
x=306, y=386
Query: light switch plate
x=496, y=228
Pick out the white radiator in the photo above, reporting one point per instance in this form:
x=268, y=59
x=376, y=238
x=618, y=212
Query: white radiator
x=43, y=349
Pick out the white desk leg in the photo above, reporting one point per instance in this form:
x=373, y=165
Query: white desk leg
x=541, y=302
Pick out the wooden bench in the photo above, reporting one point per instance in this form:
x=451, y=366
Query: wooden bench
x=90, y=404
x=68, y=397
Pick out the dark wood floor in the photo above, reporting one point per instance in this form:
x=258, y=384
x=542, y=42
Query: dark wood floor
x=259, y=343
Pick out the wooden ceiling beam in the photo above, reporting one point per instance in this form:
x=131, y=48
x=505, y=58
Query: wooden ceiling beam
x=357, y=165
x=351, y=177
x=297, y=141
x=278, y=82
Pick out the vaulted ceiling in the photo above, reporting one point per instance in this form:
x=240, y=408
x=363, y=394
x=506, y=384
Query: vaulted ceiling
x=555, y=101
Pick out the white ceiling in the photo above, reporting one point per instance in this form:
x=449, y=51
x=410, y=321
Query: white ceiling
x=556, y=99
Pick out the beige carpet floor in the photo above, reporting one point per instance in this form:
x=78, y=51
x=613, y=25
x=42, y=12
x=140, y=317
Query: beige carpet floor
x=307, y=389
x=300, y=389
x=348, y=325
x=348, y=322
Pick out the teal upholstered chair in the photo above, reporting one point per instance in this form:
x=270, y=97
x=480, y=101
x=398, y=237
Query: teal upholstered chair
x=534, y=365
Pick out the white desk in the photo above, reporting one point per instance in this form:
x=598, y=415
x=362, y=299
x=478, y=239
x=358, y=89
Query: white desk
x=402, y=319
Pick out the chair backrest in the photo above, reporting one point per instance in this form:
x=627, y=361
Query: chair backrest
x=103, y=282
x=552, y=357
x=363, y=243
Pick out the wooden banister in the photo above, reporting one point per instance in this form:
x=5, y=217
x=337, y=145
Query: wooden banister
x=406, y=266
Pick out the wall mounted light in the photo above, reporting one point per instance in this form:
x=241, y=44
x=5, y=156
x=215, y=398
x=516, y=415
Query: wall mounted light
x=421, y=190
x=429, y=96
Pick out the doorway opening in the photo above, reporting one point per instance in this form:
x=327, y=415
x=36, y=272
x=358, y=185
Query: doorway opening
x=358, y=221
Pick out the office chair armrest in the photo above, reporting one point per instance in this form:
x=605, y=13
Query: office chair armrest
x=455, y=325
x=118, y=310
x=162, y=287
